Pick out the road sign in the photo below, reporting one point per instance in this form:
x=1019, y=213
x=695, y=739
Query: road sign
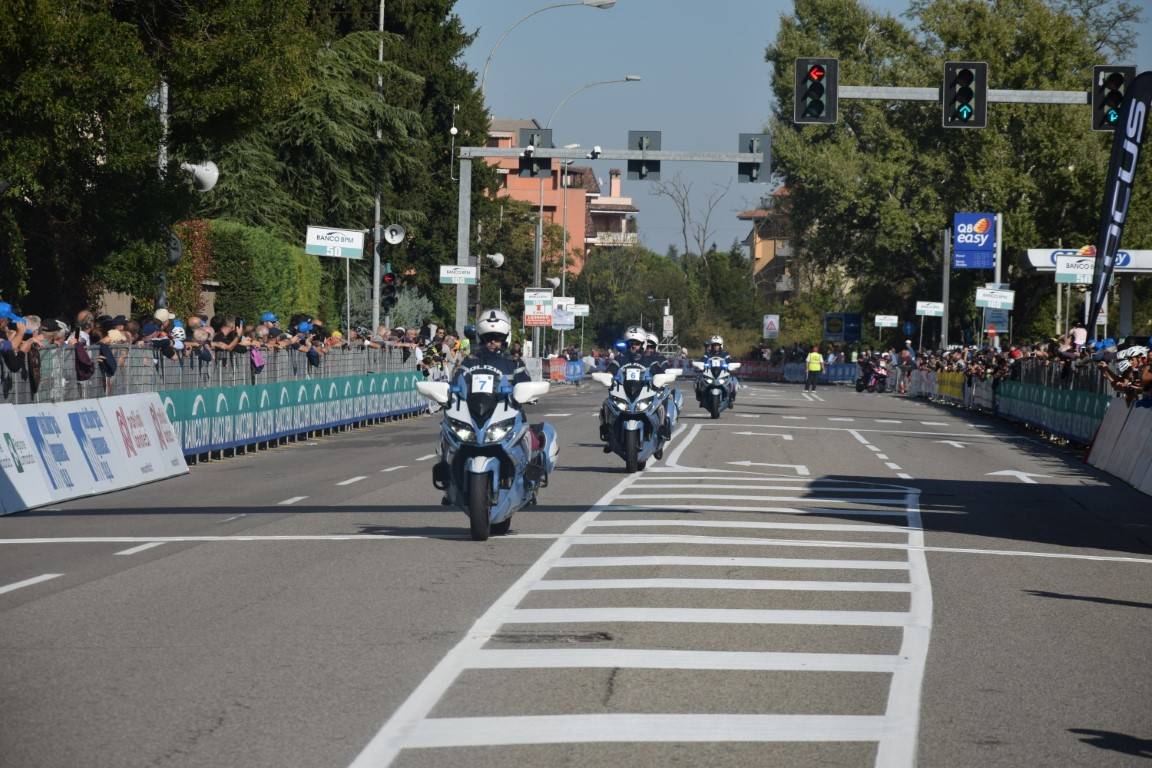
x=887, y=321
x=453, y=274
x=562, y=319
x=771, y=327
x=995, y=321
x=337, y=243
x=930, y=308
x=537, y=307
x=668, y=326
x=580, y=310
x=1075, y=269
x=991, y=298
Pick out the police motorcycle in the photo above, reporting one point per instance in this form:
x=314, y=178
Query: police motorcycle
x=488, y=467
x=636, y=426
x=674, y=401
x=714, y=382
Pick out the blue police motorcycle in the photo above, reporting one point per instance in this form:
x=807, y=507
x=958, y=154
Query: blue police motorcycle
x=635, y=413
x=714, y=384
x=486, y=465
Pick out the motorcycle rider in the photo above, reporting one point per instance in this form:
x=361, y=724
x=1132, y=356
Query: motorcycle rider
x=660, y=364
x=636, y=338
x=492, y=331
x=715, y=348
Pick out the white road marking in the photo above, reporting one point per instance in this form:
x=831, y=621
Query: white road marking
x=731, y=562
x=801, y=469
x=796, y=418
x=806, y=397
x=674, y=457
x=555, y=585
x=934, y=423
x=953, y=443
x=1024, y=477
x=811, y=512
x=882, y=456
x=872, y=447
x=28, y=582
x=765, y=434
x=234, y=517
x=903, y=476
x=289, y=502
x=891, y=465
x=556, y=415
x=707, y=616
x=888, y=421
x=808, y=488
x=638, y=728
x=425, y=458
x=818, y=397
x=747, y=415
x=859, y=437
x=648, y=522
x=351, y=480
x=840, y=418
x=393, y=469
x=140, y=548
x=733, y=497
x=611, y=658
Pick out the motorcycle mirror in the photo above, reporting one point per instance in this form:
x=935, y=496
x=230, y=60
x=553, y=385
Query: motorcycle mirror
x=602, y=377
x=674, y=372
x=527, y=391
x=698, y=365
x=733, y=366
x=662, y=380
x=436, y=391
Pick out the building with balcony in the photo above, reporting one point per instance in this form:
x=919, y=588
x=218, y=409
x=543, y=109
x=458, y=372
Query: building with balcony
x=574, y=201
x=770, y=247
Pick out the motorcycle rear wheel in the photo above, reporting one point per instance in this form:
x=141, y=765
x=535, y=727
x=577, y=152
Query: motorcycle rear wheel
x=478, y=521
x=631, y=450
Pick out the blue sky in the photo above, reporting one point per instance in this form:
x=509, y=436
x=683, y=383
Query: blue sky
x=704, y=82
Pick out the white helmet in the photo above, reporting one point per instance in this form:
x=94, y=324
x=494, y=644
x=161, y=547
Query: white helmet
x=178, y=333
x=1132, y=352
x=493, y=322
x=716, y=340
x=636, y=333
x=652, y=340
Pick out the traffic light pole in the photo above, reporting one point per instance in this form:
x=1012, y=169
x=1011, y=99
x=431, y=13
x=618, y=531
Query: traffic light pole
x=900, y=93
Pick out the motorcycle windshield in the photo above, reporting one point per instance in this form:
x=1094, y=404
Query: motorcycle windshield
x=633, y=376
x=483, y=386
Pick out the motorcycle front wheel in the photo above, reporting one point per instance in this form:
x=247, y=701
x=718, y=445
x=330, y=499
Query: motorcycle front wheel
x=631, y=450
x=481, y=526
x=714, y=406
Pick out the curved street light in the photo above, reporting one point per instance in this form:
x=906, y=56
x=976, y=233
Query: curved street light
x=602, y=4
x=537, y=251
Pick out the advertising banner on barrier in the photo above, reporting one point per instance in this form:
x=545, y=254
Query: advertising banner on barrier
x=146, y=446
x=215, y=418
x=61, y=459
x=22, y=482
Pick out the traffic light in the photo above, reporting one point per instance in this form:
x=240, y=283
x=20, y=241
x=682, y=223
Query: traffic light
x=1108, y=84
x=965, y=94
x=759, y=144
x=531, y=139
x=388, y=288
x=816, y=86
x=644, y=169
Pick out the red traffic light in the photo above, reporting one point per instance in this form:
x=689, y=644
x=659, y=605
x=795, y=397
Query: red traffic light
x=389, y=278
x=816, y=72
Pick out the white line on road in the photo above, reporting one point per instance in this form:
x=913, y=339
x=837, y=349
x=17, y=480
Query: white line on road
x=679, y=451
x=425, y=458
x=638, y=728
x=934, y=423
x=230, y=519
x=140, y=548
x=840, y=418
x=28, y=582
x=806, y=488
x=291, y=501
x=351, y=480
x=647, y=522
x=903, y=476
x=556, y=415
x=612, y=658
x=811, y=512
x=882, y=456
x=732, y=497
x=818, y=397
x=747, y=415
x=796, y=418
x=731, y=562
x=892, y=465
x=553, y=585
x=888, y=421
x=393, y=469
x=873, y=448
x=707, y=616
x=765, y=434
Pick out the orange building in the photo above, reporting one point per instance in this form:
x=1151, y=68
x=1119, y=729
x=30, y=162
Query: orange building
x=576, y=202
x=770, y=246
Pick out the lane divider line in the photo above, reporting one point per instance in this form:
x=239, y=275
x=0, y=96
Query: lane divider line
x=140, y=548
x=393, y=469
x=425, y=458
x=351, y=480
x=290, y=501
x=28, y=582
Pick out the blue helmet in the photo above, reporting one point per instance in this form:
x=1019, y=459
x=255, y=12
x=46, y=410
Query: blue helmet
x=269, y=317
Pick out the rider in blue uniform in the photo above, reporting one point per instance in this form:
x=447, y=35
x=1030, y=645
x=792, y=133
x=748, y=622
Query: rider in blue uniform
x=636, y=338
x=492, y=330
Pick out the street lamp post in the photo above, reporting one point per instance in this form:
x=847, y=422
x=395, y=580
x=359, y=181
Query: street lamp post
x=540, y=213
x=602, y=4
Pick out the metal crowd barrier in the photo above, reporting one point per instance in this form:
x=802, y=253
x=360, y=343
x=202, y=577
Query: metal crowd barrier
x=142, y=369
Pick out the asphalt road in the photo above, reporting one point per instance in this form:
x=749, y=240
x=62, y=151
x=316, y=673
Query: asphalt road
x=837, y=579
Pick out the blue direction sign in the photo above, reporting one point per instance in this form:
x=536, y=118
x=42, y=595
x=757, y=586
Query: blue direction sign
x=973, y=241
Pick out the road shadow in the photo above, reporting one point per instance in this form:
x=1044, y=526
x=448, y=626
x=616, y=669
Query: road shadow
x=1115, y=742
x=1088, y=599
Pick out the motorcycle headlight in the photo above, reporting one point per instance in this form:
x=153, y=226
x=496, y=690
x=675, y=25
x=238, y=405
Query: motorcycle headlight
x=643, y=405
x=498, y=431
x=620, y=403
x=463, y=432
x=724, y=374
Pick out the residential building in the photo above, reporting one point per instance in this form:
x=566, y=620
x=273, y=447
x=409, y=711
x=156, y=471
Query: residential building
x=770, y=247
x=576, y=201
